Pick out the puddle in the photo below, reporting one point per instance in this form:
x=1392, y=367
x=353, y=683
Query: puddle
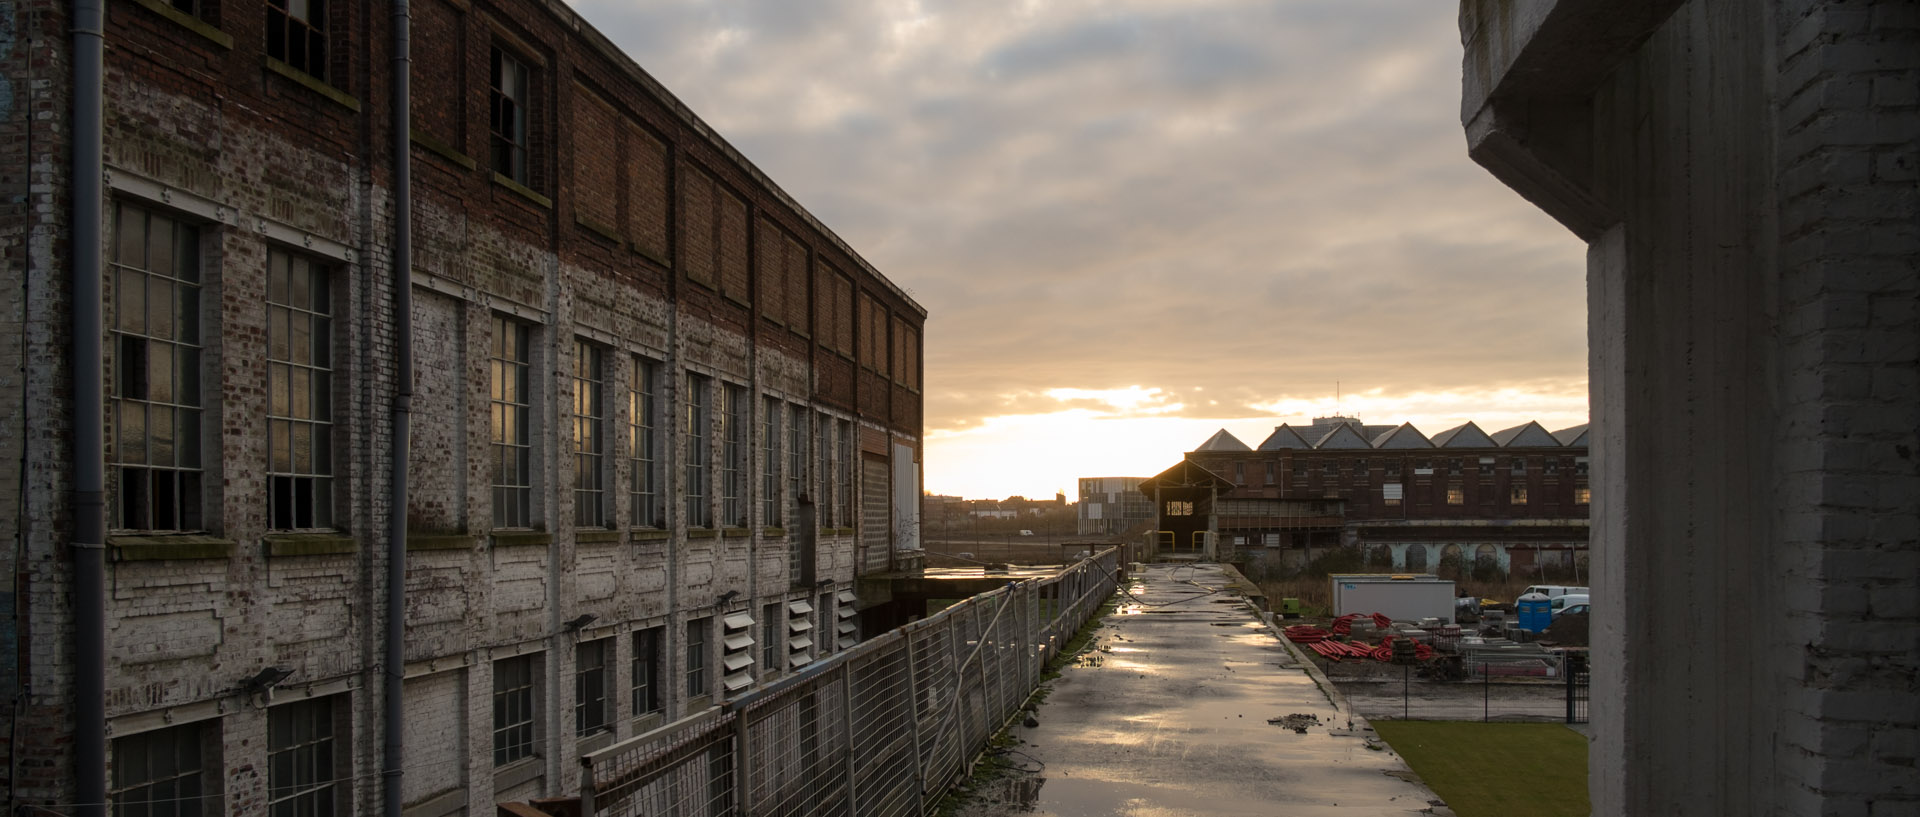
x=1020, y=792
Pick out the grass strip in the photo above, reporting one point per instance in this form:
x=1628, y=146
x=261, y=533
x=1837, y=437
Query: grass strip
x=1496, y=769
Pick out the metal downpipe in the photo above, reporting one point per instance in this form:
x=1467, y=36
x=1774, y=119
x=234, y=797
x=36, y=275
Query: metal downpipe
x=394, y=664
x=88, y=545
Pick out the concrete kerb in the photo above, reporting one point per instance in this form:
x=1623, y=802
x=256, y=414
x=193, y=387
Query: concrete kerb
x=1237, y=582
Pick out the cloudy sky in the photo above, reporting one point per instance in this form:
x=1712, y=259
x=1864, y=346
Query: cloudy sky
x=1136, y=222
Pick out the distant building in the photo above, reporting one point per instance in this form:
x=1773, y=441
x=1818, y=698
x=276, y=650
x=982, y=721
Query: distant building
x=1516, y=498
x=1113, y=505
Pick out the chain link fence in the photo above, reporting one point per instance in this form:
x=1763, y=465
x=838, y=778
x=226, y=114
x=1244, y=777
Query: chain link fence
x=881, y=729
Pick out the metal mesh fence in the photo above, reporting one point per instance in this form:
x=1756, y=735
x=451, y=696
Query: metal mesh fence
x=881, y=729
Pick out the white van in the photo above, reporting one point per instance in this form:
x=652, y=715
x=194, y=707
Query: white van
x=1569, y=600
x=1553, y=591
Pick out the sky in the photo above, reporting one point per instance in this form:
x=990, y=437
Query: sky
x=1136, y=222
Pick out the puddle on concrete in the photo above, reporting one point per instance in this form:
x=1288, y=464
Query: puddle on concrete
x=1019, y=793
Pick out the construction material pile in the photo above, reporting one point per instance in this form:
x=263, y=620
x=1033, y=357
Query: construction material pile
x=1323, y=641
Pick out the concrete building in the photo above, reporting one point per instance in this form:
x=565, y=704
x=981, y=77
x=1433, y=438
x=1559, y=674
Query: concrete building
x=1745, y=176
x=1113, y=506
x=1515, y=499
x=661, y=417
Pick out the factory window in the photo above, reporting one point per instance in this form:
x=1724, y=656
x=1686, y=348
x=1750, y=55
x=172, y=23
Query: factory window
x=589, y=435
x=510, y=101
x=591, y=712
x=733, y=455
x=1582, y=495
x=514, y=696
x=1240, y=473
x=1331, y=468
x=1517, y=495
x=511, y=403
x=1553, y=465
x=297, y=34
x=1456, y=496
x=699, y=509
x=773, y=624
x=643, y=445
x=771, y=503
x=1519, y=466
x=647, y=649
x=1178, y=507
x=796, y=459
x=1272, y=477
x=1453, y=466
x=299, y=393
x=304, y=768
x=1580, y=466
x=1360, y=466
x=154, y=439
x=697, y=649
x=173, y=771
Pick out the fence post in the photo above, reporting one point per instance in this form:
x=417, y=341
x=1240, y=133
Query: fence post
x=1486, y=692
x=913, y=718
x=846, y=718
x=742, y=765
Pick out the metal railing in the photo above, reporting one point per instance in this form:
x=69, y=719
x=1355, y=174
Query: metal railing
x=881, y=729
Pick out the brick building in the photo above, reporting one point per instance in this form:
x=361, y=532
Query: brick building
x=1744, y=174
x=1112, y=506
x=661, y=416
x=1516, y=498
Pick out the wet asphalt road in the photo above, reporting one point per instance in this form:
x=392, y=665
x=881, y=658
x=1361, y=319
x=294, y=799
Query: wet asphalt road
x=1168, y=716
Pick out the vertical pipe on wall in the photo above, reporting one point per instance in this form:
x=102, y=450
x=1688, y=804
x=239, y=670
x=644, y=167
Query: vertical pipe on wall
x=89, y=409
x=394, y=664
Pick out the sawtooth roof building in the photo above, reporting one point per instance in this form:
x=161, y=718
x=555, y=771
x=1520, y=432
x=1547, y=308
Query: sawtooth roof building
x=1516, y=498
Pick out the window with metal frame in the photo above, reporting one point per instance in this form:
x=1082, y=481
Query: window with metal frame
x=515, y=708
x=772, y=627
x=154, y=442
x=592, y=711
x=510, y=100
x=796, y=460
x=697, y=656
x=299, y=393
x=733, y=455
x=297, y=35
x=643, y=445
x=511, y=403
x=589, y=435
x=699, y=508
x=648, y=646
x=167, y=771
x=306, y=774
x=771, y=502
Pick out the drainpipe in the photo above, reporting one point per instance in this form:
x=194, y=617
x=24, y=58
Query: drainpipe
x=396, y=657
x=89, y=407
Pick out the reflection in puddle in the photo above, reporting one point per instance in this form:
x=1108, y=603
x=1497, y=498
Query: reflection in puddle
x=1021, y=792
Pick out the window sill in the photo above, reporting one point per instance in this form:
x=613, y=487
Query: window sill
x=736, y=533
x=517, y=772
x=836, y=531
x=309, y=544
x=524, y=191
x=773, y=531
x=444, y=150
x=161, y=546
x=648, y=721
x=527, y=538
x=599, y=229
x=653, y=255
x=649, y=534
x=189, y=22
x=440, y=541
x=600, y=739
x=596, y=536
x=439, y=805
x=701, y=533
x=313, y=83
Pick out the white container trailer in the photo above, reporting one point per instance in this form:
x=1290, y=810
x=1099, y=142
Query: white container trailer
x=1401, y=596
